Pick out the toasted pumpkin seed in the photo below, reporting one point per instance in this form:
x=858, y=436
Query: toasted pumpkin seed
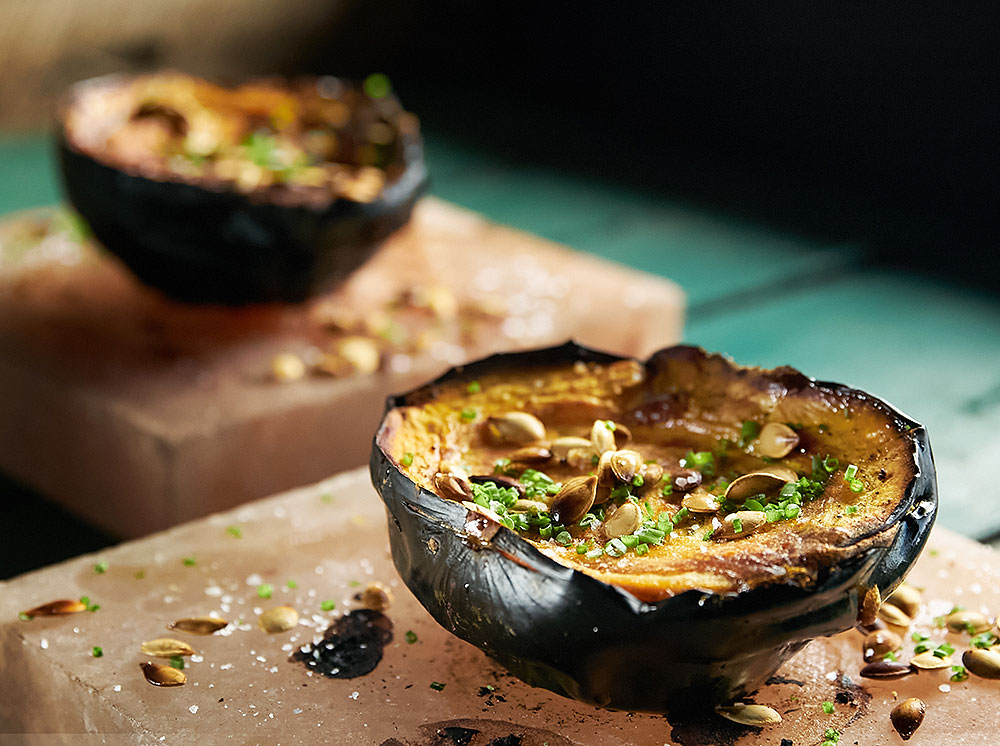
x=626, y=464
x=623, y=436
x=883, y=669
x=530, y=455
x=685, y=480
x=602, y=494
x=164, y=647
x=623, y=520
x=894, y=616
x=573, y=499
x=967, y=621
x=700, y=501
x=748, y=521
x=602, y=437
x=750, y=714
x=605, y=472
x=880, y=642
x=159, y=674
x=754, y=483
x=202, y=625
x=376, y=597
x=776, y=440
x=278, y=619
x=361, y=353
x=868, y=608
x=528, y=506
x=56, y=608
x=581, y=458
x=928, y=661
x=905, y=598
x=907, y=716
x=287, y=367
x=452, y=487
x=983, y=663
x=561, y=447
x=516, y=428
x=652, y=475
x=783, y=472
x=447, y=467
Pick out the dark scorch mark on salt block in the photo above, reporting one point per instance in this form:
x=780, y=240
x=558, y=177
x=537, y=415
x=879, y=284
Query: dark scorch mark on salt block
x=351, y=646
x=476, y=732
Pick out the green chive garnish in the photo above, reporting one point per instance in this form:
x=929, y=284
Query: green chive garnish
x=828, y=707
x=407, y=459
x=101, y=567
x=97, y=652
x=411, y=636
x=264, y=590
x=437, y=686
x=474, y=387
x=327, y=605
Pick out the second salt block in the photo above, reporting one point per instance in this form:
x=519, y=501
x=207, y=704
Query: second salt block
x=317, y=550
x=137, y=413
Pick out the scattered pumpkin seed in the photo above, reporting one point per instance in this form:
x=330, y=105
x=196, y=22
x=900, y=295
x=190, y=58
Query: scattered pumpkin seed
x=530, y=455
x=202, y=625
x=739, y=525
x=447, y=467
x=623, y=436
x=605, y=472
x=623, y=520
x=452, y=487
x=983, y=663
x=880, y=642
x=907, y=716
x=376, y=597
x=626, y=464
x=754, y=483
x=783, y=472
x=602, y=437
x=159, y=674
x=55, y=608
x=278, y=619
x=516, y=428
x=883, y=669
x=894, y=616
x=700, y=501
x=561, y=447
x=652, y=475
x=929, y=662
x=907, y=598
x=776, y=440
x=287, y=367
x=967, y=621
x=361, y=353
x=164, y=647
x=749, y=714
x=573, y=499
x=868, y=608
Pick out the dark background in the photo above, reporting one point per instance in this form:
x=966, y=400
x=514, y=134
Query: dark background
x=856, y=120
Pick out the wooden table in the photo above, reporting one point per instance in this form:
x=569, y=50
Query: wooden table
x=760, y=295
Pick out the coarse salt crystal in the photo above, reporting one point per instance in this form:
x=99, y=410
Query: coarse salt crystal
x=193, y=709
x=832, y=676
x=945, y=688
x=44, y=643
x=116, y=688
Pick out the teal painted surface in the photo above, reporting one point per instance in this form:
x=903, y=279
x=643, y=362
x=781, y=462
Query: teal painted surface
x=27, y=172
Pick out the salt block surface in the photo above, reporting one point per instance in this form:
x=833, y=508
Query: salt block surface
x=137, y=412
x=327, y=543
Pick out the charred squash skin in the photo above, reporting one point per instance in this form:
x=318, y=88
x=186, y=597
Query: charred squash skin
x=210, y=244
x=568, y=631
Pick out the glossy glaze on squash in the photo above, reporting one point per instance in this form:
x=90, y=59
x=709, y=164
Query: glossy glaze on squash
x=682, y=401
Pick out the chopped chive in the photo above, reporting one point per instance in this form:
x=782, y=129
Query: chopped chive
x=851, y=509
x=235, y=531
x=354, y=583
x=828, y=707
x=189, y=561
x=24, y=617
x=97, y=652
x=264, y=590
x=474, y=387
x=582, y=548
x=650, y=535
x=642, y=549
x=411, y=636
x=468, y=414
x=101, y=567
x=917, y=637
x=749, y=431
x=565, y=538
x=984, y=640
x=177, y=662
x=637, y=480
x=679, y=516
x=140, y=574
x=850, y=472
x=752, y=504
x=958, y=673
x=921, y=648
x=377, y=85
x=892, y=655
x=615, y=548
x=610, y=425
x=792, y=511
x=327, y=605
x=708, y=536
x=437, y=686
x=830, y=463
x=630, y=540
x=737, y=525
x=407, y=459
x=291, y=585
x=668, y=488
x=85, y=600
x=326, y=497
x=545, y=531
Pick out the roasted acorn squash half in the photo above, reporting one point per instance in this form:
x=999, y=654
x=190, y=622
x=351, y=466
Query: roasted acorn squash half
x=271, y=191
x=642, y=536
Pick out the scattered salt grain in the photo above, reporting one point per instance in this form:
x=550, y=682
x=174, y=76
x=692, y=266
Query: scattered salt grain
x=44, y=643
x=193, y=709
